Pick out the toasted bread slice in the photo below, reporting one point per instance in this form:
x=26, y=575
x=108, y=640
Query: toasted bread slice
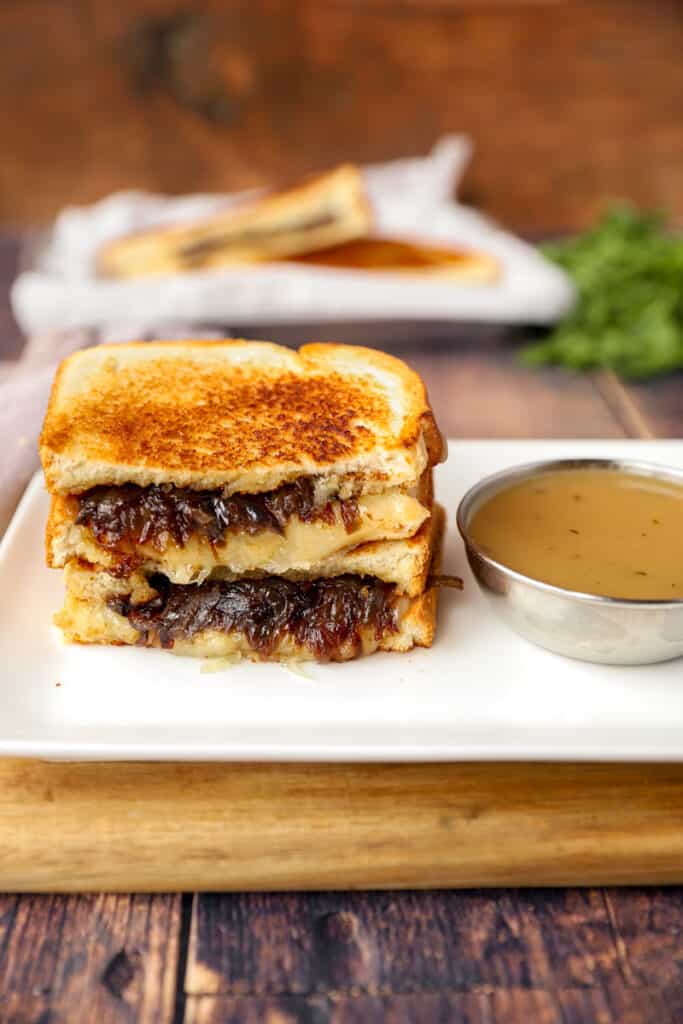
x=242, y=415
x=95, y=612
x=301, y=549
x=397, y=256
x=323, y=211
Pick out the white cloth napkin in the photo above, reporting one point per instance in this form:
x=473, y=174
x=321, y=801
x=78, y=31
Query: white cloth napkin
x=411, y=198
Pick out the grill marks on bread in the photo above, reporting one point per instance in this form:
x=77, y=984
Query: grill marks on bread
x=185, y=415
x=245, y=415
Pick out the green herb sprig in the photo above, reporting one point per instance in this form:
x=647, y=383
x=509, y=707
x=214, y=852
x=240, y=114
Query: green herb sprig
x=628, y=272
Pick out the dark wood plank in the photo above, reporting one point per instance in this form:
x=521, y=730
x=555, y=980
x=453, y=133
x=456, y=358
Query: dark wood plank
x=551, y=957
x=384, y=943
x=11, y=341
x=512, y=1007
x=486, y=393
x=648, y=928
x=571, y=942
x=220, y=95
x=110, y=959
x=616, y=1005
x=659, y=404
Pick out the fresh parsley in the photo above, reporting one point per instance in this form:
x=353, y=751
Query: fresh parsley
x=628, y=272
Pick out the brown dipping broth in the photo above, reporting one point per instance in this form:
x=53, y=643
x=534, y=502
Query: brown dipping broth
x=599, y=531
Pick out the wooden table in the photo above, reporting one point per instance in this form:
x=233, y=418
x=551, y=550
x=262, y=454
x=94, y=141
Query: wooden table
x=568, y=103
x=532, y=956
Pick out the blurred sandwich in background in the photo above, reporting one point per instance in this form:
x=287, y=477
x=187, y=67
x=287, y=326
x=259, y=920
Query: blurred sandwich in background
x=394, y=256
x=323, y=211
x=325, y=221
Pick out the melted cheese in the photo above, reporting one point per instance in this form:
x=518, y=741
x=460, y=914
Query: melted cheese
x=302, y=548
x=93, y=622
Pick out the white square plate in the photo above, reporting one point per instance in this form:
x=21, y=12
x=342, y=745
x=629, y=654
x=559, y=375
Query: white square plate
x=480, y=693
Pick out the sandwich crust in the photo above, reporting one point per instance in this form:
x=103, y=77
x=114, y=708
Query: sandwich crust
x=247, y=416
x=400, y=256
x=322, y=211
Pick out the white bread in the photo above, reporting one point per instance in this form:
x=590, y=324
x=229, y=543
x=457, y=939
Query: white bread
x=244, y=415
x=323, y=211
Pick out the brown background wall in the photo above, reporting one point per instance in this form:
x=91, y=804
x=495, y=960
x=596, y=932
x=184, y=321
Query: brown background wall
x=569, y=102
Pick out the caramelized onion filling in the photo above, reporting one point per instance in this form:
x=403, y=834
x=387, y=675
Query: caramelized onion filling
x=329, y=617
x=128, y=515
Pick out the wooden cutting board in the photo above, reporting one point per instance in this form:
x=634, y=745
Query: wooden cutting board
x=154, y=827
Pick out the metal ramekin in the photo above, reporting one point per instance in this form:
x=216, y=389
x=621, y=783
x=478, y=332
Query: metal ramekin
x=585, y=626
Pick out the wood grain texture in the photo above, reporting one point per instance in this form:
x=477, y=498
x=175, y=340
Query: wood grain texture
x=384, y=943
x=223, y=94
x=110, y=959
x=659, y=403
x=625, y=408
x=618, y=1005
x=75, y=827
x=648, y=927
x=501, y=957
x=485, y=393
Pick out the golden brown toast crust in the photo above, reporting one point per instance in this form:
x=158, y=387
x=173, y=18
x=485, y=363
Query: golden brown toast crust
x=320, y=211
x=404, y=257
x=193, y=413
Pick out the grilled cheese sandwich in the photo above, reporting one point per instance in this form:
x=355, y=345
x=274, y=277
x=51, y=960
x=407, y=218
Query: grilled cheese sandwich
x=226, y=472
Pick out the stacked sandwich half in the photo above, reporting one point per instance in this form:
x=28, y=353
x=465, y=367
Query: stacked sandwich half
x=239, y=498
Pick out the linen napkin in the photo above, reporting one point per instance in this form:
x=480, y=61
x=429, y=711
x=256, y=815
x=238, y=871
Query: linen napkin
x=410, y=198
